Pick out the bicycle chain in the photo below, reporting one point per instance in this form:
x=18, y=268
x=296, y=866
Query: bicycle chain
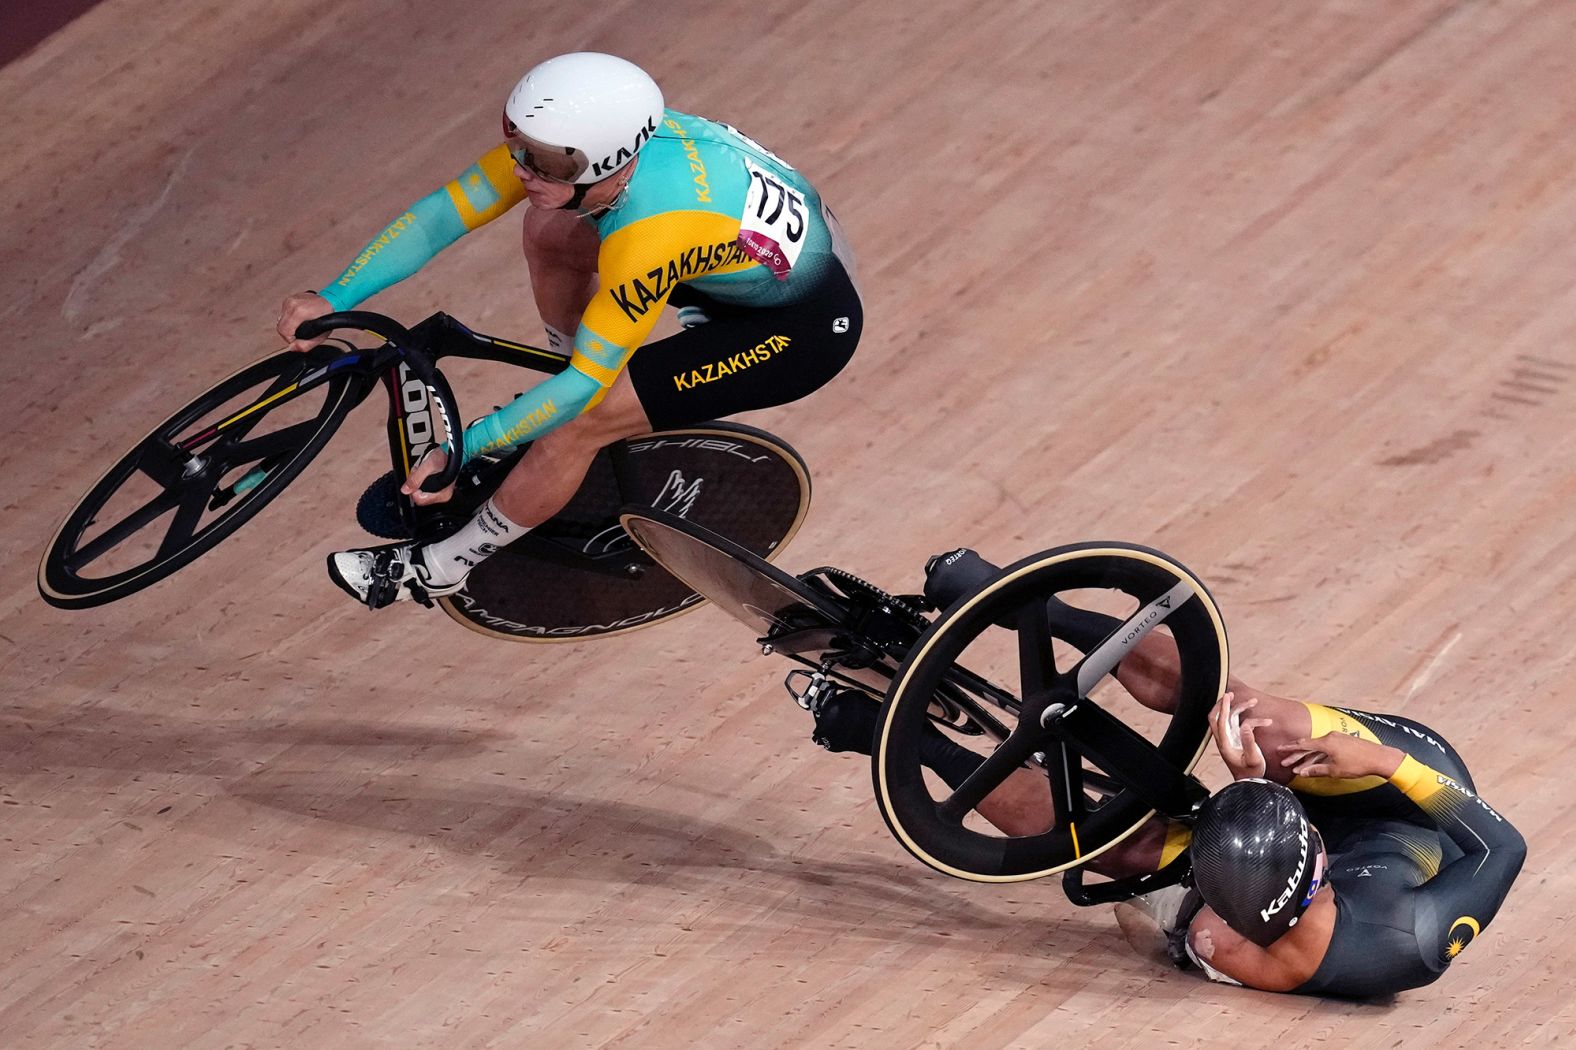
x=853, y=586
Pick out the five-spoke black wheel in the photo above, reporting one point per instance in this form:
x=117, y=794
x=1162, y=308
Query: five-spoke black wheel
x=1073, y=760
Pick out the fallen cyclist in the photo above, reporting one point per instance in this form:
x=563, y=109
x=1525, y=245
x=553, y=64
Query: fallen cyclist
x=1351, y=856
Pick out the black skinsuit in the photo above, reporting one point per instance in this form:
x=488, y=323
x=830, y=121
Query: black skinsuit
x=1416, y=874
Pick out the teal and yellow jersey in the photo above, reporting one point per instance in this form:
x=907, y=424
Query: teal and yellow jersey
x=479, y=195
x=706, y=206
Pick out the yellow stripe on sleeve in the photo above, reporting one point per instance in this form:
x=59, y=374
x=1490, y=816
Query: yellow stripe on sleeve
x=1416, y=781
x=603, y=375
x=1178, y=835
x=1328, y=720
x=486, y=189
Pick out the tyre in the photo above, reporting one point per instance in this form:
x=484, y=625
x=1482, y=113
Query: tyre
x=193, y=481
x=1007, y=630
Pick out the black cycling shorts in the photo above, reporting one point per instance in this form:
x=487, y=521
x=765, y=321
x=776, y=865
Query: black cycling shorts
x=746, y=358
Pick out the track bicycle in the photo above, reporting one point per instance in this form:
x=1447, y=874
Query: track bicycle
x=976, y=656
x=213, y=465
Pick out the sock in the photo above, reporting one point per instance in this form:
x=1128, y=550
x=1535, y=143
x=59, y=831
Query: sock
x=449, y=559
x=558, y=341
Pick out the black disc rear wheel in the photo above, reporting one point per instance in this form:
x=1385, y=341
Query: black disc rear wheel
x=195, y=479
x=579, y=575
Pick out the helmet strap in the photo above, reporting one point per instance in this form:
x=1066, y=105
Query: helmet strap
x=578, y=200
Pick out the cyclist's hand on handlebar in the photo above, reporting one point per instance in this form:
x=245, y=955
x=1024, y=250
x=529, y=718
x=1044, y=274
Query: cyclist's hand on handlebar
x=1234, y=736
x=433, y=462
x=302, y=306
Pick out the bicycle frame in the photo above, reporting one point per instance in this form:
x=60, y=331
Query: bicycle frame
x=406, y=364
x=411, y=430
x=231, y=450
x=858, y=636
x=1084, y=727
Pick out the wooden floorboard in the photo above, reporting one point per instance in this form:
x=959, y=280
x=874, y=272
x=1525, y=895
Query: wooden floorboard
x=1283, y=290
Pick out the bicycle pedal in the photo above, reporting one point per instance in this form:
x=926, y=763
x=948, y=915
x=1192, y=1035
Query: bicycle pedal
x=817, y=687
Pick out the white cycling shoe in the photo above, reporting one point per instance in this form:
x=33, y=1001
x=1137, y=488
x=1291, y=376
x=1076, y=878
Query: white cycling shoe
x=1155, y=924
x=381, y=576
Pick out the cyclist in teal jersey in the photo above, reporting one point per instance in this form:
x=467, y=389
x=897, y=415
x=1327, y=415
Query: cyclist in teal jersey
x=633, y=206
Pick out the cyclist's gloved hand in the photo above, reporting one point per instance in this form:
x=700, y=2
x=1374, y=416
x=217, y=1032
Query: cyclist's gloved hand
x=302, y=306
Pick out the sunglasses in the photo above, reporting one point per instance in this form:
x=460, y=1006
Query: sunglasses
x=550, y=163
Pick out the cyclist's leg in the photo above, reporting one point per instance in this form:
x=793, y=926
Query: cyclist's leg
x=538, y=487
x=742, y=359
x=1327, y=798
x=561, y=254
x=547, y=477
x=1150, y=675
x=560, y=250
x=1022, y=806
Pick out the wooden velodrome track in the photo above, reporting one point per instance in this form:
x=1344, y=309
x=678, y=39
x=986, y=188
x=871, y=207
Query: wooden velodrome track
x=1282, y=289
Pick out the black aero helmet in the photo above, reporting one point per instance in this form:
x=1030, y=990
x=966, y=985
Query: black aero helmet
x=1256, y=859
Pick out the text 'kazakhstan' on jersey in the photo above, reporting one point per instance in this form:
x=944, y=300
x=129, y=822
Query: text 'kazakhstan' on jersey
x=705, y=206
x=710, y=208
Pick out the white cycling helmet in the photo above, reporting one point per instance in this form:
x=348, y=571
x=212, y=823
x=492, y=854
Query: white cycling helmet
x=579, y=118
